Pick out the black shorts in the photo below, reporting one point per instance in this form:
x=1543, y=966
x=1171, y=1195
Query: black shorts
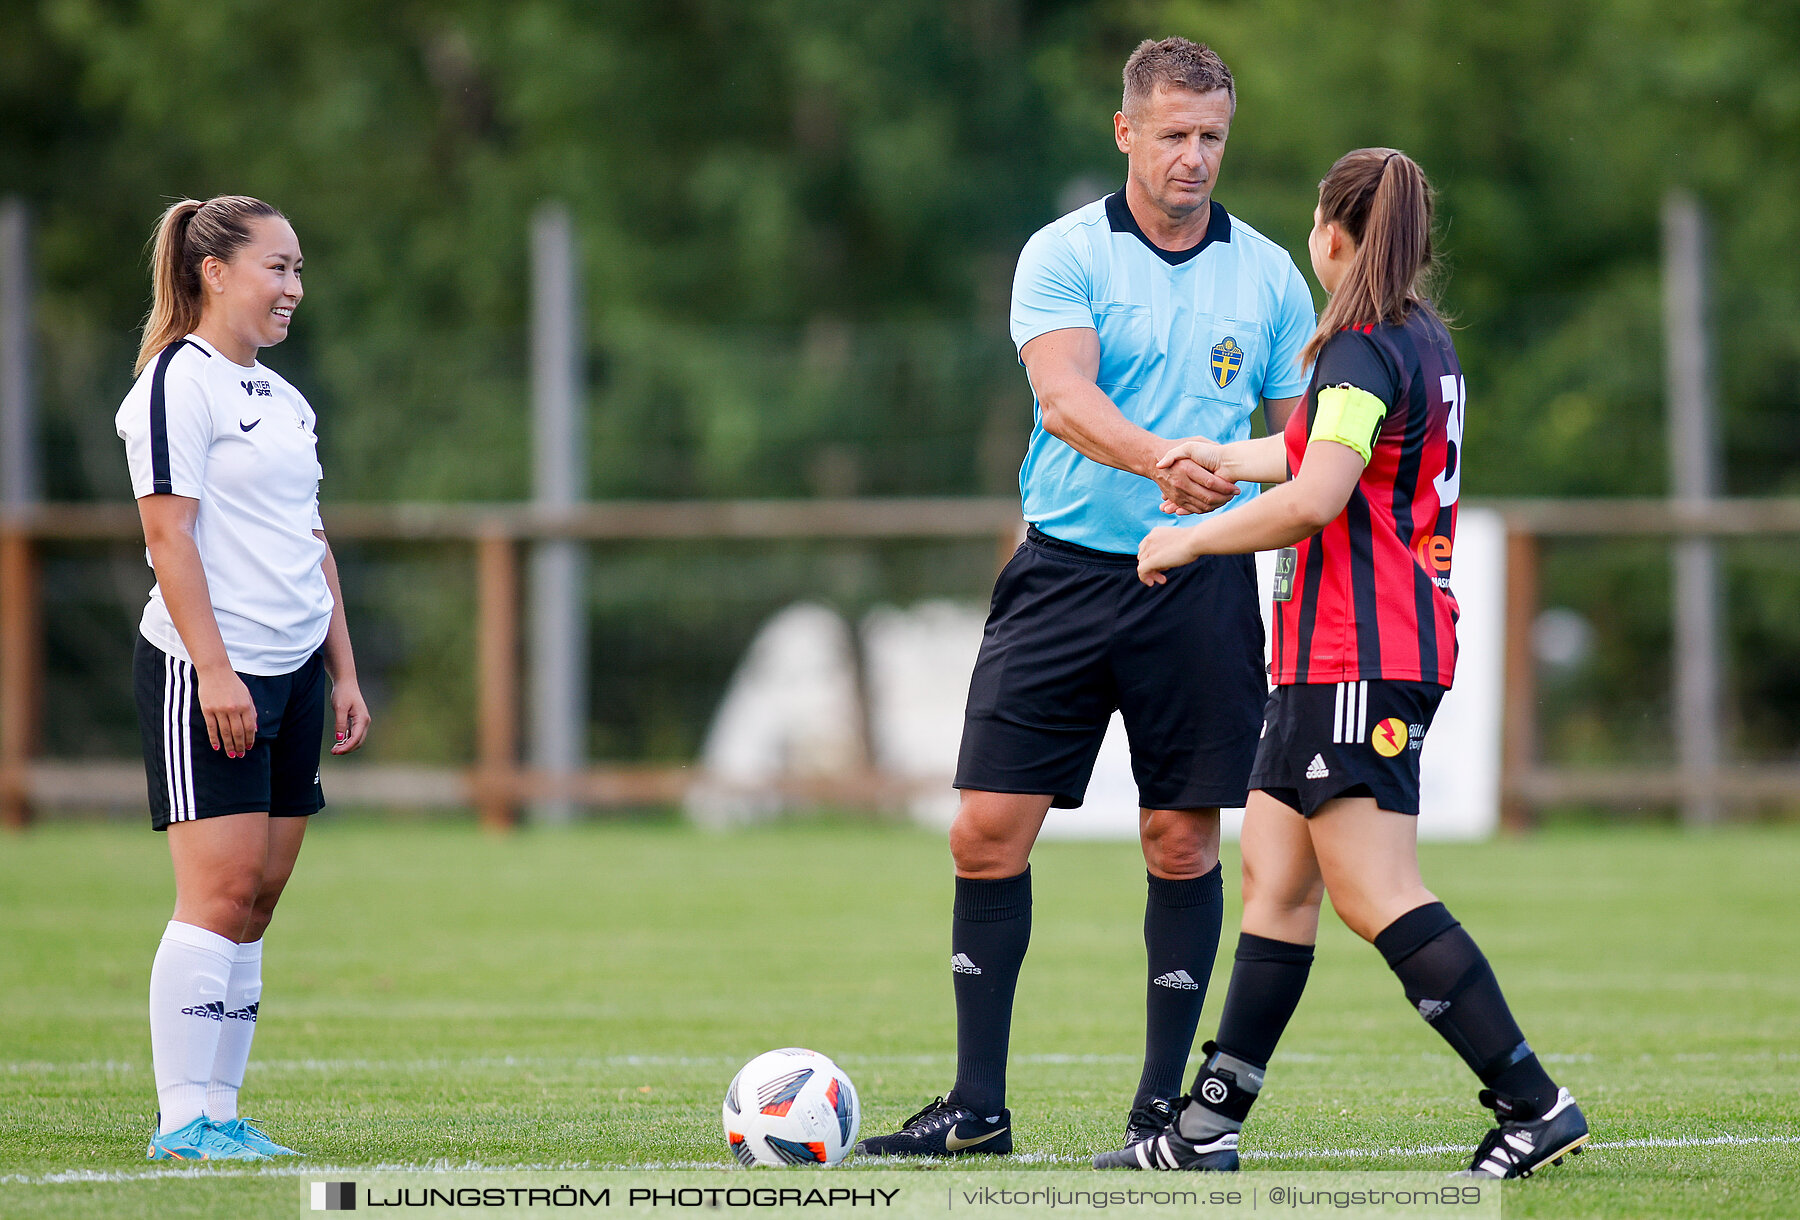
x=1073, y=635
x=190, y=780
x=1331, y=739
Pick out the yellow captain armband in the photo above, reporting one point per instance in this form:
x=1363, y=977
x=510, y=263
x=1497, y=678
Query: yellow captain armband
x=1350, y=416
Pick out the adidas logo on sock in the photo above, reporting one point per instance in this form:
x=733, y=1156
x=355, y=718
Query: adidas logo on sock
x=1180, y=980
x=1316, y=769
x=962, y=965
x=212, y=1010
x=247, y=1013
x=1431, y=1010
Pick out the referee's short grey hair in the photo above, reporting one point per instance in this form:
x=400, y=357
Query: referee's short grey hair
x=1177, y=64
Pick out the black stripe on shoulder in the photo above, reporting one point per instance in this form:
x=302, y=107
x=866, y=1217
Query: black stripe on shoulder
x=162, y=482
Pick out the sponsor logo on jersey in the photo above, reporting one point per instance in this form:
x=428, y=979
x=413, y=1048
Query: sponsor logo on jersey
x=1433, y=553
x=1227, y=359
x=1389, y=737
x=245, y=427
x=257, y=389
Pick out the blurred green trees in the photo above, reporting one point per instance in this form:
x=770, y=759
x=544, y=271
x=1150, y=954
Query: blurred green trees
x=800, y=217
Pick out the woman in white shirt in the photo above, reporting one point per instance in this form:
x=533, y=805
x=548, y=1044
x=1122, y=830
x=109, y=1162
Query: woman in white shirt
x=243, y=626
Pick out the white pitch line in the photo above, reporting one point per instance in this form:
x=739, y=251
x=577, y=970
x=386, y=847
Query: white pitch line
x=35, y=1067
x=1028, y=1158
x=42, y=1068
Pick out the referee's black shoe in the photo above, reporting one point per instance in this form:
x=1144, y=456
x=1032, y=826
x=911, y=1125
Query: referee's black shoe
x=1149, y=1117
x=1170, y=1149
x=1519, y=1147
x=944, y=1128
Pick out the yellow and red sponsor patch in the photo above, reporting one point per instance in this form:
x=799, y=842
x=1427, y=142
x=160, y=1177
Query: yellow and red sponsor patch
x=1389, y=737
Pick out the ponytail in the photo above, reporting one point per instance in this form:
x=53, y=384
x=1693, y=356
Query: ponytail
x=187, y=234
x=1380, y=198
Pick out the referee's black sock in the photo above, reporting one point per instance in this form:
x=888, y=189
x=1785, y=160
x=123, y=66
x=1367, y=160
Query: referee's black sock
x=1453, y=987
x=1181, y=938
x=990, y=928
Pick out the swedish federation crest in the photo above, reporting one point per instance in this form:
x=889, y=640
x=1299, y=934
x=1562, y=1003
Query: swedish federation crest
x=1227, y=359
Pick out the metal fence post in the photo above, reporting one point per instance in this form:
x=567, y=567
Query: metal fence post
x=558, y=648
x=1694, y=469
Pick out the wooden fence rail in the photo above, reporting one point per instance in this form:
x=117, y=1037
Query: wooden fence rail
x=496, y=783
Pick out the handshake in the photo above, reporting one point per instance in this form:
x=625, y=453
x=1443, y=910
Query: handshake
x=1190, y=477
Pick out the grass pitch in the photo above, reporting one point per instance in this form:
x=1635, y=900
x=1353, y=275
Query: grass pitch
x=581, y=999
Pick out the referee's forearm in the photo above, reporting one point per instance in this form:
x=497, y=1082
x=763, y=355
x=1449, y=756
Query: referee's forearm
x=1086, y=420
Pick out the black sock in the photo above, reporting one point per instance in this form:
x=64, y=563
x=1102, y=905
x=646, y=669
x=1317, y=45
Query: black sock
x=1266, y=982
x=1267, y=979
x=1181, y=938
x=990, y=928
x=1450, y=982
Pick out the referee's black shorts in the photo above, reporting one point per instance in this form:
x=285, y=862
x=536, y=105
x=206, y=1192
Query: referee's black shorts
x=189, y=780
x=1073, y=635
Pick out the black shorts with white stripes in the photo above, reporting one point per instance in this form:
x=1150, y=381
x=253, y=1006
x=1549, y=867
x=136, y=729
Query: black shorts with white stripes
x=1325, y=740
x=189, y=780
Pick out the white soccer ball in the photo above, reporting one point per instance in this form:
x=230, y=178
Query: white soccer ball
x=791, y=1107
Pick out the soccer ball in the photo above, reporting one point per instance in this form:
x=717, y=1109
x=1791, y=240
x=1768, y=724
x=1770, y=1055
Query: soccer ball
x=791, y=1107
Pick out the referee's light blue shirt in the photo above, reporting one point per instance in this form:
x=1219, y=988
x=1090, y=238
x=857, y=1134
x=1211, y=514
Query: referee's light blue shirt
x=1190, y=343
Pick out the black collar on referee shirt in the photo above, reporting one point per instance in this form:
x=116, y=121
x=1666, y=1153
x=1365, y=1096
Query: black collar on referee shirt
x=1218, y=228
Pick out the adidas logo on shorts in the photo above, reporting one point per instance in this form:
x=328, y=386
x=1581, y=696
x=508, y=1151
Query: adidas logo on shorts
x=1316, y=769
x=1180, y=980
x=962, y=965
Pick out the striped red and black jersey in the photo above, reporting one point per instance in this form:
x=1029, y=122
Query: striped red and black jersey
x=1369, y=596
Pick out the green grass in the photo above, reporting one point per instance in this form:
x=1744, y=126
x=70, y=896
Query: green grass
x=581, y=999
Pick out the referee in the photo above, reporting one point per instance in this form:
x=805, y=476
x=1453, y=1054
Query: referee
x=1147, y=316
x=240, y=634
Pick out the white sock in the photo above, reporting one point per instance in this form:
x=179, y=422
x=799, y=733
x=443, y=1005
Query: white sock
x=187, y=1011
x=242, y=996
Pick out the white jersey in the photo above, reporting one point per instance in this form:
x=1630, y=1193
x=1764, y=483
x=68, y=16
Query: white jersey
x=241, y=442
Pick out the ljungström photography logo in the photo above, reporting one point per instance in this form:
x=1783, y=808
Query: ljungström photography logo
x=334, y=1196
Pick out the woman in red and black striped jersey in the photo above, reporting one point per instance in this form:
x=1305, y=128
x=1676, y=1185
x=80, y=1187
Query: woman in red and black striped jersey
x=1365, y=646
